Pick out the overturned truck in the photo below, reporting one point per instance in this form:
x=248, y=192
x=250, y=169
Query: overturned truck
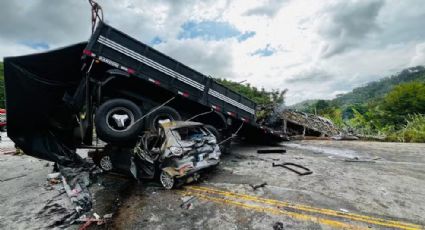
x=119, y=88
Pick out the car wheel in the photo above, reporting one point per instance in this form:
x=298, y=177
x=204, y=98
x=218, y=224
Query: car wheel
x=105, y=163
x=116, y=121
x=163, y=113
x=166, y=180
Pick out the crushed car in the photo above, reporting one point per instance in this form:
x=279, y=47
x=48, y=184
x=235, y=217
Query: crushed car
x=176, y=154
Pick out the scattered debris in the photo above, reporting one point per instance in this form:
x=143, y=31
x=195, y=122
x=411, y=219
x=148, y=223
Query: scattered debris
x=345, y=137
x=96, y=216
x=75, y=182
x=285, y=165
x=58, y=213
x=187, y=202
x=343, y=210
x=55, y=175
x=54, y=181
x=265, y=151
x=89, y=221
x=255, y=187
x=278, y=226
x=299, y=123
x=95, y=219
x=7, y=151
x=107, y=216
x=356, y=159
x=12, y=178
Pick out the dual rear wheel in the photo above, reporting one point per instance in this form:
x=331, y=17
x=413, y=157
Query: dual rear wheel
x=120, y=120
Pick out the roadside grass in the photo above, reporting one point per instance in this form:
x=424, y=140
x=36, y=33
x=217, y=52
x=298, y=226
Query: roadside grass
x=413, y=131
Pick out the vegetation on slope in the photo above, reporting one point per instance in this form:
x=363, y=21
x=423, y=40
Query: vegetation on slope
x=393, y=107
x=268, y=101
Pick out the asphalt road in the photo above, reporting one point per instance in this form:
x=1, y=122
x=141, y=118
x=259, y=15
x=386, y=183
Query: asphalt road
x=383, y=188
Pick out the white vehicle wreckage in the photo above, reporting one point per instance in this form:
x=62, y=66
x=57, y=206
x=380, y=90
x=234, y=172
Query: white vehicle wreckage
x=177, y=153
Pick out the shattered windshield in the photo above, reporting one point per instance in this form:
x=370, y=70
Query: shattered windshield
x=189, y=133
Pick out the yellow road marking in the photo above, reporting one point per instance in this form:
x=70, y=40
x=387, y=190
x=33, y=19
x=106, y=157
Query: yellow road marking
x=329, y=212
x=276, y=211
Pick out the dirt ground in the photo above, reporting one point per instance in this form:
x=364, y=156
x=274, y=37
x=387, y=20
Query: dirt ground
x=354, y=185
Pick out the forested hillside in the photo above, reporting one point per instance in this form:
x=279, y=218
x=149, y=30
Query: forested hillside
x=379, y=88
x=393, y=107
x=371, y=91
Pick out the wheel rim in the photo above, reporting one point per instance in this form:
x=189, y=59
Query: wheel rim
x=166, y=180
x=119, y=119
x=106, y=163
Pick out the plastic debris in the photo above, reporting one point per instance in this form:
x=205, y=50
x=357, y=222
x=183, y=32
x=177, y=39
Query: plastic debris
x=265, y=151
x=278, y=226
x=255, y=187
x=187, y=202
x=53, y=175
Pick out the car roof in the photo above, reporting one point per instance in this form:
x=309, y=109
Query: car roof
x=180, y=124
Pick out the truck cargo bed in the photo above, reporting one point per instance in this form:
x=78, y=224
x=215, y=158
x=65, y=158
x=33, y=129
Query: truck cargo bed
x=140, y=60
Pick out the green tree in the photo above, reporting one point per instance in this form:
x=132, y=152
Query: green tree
x=262, y=97
x=268, y=101
x=402, y=100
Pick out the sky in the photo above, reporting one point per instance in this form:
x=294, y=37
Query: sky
x=315, y=49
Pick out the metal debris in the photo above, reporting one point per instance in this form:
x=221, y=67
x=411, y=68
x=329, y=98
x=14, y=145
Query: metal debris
x=255, y=187
x=278, y=226
x=107, y=216
x=12, y=178
x=343, y=210
x=285, y=165
x=53, y=175
x=299, y=123
x=356, y=159
x=265, y=151
x=187, y=202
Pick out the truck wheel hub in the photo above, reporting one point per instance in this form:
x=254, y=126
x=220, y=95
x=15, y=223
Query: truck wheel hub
x=119, y=119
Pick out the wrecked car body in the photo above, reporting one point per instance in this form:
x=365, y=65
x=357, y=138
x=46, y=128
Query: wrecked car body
x=187, y=149
x=177, y=154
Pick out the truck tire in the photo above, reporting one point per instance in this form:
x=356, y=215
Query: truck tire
x=214, y=131
x=115, y=121
x=162, y=113
x=225, y=147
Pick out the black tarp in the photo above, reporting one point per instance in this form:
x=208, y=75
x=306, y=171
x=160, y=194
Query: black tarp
x=38, y=119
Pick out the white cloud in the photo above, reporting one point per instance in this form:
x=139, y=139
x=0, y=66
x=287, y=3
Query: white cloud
x=8, y=48
x=216, y=60
x=419, y=58
x=320, y=48
x=345, y=24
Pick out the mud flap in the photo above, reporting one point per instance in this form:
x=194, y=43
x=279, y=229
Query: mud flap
x=39, y=120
